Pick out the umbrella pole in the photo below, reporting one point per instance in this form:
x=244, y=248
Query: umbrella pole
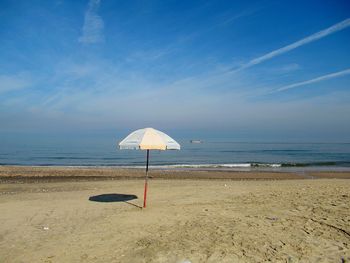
x=146, y=181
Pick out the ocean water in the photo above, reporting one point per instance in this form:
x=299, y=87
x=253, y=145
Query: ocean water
x=211, y=154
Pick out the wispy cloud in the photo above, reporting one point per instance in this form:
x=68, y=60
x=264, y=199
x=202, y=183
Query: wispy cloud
x=321, y=34
x=228, y=18
x=93, y=24
x=14, y=82
x=289, y=68
x=318, y=79
x=149, y=55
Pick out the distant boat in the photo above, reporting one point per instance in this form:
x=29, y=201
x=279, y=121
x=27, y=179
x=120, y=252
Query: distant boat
x=196, y=141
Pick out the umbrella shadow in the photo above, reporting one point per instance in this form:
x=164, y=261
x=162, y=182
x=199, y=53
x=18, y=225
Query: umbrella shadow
x=108, y=198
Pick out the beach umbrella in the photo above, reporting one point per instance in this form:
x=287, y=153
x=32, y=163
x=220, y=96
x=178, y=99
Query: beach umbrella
x=148, y=139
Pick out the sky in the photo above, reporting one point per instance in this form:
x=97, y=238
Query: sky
x=235, y=69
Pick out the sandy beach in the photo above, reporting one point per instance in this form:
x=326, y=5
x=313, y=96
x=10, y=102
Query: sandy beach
x=46, y=216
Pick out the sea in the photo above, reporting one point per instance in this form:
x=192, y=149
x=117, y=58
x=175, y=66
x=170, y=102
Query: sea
x=209, y=155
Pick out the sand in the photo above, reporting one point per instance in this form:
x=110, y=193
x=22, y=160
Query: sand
x=202, y=220
x=13, y=174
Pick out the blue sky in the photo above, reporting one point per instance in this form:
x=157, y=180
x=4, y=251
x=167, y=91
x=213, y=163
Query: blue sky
x=250, y=69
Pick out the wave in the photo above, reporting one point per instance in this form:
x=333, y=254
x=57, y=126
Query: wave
x=339, y=163
x=247, y=165
x=255, y=165
x=266, y=151
x=227, y=165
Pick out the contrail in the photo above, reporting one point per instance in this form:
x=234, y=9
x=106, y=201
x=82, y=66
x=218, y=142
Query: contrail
x=322, y=78
x=321, y=34
x=93, y=24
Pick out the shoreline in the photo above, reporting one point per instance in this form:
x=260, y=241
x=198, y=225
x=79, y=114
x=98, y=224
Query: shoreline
x=33, y=174
x=244, y=167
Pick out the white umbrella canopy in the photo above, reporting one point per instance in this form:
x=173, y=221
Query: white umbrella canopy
x=148, y=139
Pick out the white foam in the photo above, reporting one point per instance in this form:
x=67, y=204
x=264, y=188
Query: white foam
x=203, y=166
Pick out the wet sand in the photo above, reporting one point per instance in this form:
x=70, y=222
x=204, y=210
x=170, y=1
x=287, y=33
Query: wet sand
x=230, y=219
x=13, y=174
